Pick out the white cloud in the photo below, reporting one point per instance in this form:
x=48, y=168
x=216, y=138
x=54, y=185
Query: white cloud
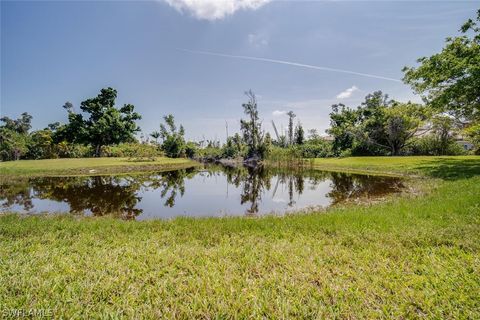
x=347, y=93
x=214, y=9
x=257, y=40
x=278, y=113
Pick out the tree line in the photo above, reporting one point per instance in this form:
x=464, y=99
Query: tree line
x=448, y=82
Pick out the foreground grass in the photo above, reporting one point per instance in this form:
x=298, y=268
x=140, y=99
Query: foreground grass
x=82, y=166
x=408, y=258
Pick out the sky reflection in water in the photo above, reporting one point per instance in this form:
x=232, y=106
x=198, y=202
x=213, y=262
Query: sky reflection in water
x=209, y=191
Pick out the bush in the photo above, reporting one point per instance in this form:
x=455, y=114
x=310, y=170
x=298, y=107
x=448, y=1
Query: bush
x=191, y=149
x=316, y=149
x=291, y=154
x=234, y=147
x=210, y=153
x=432, y=146
x=72, y=150
x=136, y=151
x=173, y=138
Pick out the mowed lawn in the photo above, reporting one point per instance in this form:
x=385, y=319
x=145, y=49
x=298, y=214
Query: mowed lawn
x=445, y=167
x=415, y=256
x=83, y=166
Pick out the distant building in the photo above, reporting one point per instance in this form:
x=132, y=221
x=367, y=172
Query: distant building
x=466, y=145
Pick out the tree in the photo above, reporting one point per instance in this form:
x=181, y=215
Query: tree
x=155, y=135
x=474, y=133
x=106, y=124
x=291, y=116
x=402, y=122
x=14, y=136
x=252, y=128
x=388, y=124
x=343, y=121
x=41, y=145
x=299, y=134
x=173, y=141
x=313, y=134
x=21, y=125
x=450, y=80
x=443, y=127
x=13, y=145
x=377, y=125
x=234, y=147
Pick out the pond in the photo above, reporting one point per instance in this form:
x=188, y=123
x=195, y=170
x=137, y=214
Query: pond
x=199, y=192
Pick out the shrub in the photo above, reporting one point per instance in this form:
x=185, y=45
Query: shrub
x=191, y=149
x=316, y=149
x=291, y=154
x=72, y=150
x=473, y=132
x=210, y=153
x=136, y=151
x=431, y=145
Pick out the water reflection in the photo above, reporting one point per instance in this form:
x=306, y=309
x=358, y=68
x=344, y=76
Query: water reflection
x=209, y=191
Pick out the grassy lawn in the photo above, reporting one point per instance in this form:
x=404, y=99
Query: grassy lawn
x=411, y=257
x=84, y=166
x=445, y=167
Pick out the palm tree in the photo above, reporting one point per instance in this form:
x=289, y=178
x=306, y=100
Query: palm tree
x=155, y=135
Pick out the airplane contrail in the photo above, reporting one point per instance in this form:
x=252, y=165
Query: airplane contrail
x=295, y=64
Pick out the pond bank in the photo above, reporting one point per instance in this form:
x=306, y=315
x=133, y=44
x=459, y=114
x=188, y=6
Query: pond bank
x=89, y=166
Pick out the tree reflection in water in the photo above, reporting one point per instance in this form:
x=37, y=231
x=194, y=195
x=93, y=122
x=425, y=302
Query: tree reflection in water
x=100, y=195
x=350, y=186
x=16, y=192
x=120, y=195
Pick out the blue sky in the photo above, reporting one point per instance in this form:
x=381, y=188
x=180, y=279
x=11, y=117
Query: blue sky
x=157, y=55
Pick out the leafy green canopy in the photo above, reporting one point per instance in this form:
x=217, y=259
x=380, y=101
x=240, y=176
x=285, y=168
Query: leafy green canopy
x=21, y=125
x=173, y=138
x=377, y=125
x=14, y=136
x=450, y=80
x=105, y=125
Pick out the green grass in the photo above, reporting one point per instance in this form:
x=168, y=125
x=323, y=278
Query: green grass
x=84, y=166
x=445, y=167
x=411, y=257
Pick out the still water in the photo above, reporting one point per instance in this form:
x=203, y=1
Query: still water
x=208, y=191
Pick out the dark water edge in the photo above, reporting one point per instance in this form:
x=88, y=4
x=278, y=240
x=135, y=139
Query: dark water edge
x=207, y=191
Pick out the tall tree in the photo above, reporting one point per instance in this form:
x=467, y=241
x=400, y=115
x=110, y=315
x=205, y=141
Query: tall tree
x=291, y=116
x=105, y=125
x=450, y=80
x=252, y=128
x=299, y=134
